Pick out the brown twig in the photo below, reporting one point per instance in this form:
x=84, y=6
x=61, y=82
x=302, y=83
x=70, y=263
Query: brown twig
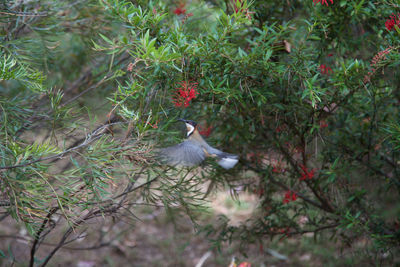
x=37, y=235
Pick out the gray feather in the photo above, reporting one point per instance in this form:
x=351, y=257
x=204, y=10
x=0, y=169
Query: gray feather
x=226, y=160
x=186, y=154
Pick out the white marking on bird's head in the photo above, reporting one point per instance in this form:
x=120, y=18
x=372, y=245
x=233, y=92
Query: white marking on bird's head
x=190, y=129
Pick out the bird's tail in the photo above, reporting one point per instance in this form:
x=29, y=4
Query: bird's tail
x=227, y=161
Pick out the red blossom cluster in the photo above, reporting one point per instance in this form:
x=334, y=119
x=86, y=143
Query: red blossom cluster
x=180, y=9
x=289, y=196
x=276, y=169
x=244, y=264
x=325, y=69
x=284, y=231
x=322, y=2
x=185, y=94
x=306, y=173
x=394, y=20
x=206, y=131
x=375, y=61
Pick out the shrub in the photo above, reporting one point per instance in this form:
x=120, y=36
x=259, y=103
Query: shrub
x=304, y=91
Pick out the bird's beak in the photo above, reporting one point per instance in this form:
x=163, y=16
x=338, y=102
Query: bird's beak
x=182, y=120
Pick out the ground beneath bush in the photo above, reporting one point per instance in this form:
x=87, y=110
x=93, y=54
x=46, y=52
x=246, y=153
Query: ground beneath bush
x=155, y=239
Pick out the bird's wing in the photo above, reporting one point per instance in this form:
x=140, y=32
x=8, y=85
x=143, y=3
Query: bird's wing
x=185, y=154
x=226, y=160
x=220, y=154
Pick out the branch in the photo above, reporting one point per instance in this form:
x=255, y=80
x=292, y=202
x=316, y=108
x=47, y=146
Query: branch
x=37, y=235
x=327, y=206
x=282, y=185
x=24, y=14
x=90, y=215
x=96, y=134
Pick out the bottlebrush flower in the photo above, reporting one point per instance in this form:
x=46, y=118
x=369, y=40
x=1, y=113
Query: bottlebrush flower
x=375, y=61
x=289, y=196
x=276, y=169
x=185, y=94
x=306, y=173
x=322, y=2
x=324, y=69
x=394, y=20
x=180, y=10
x=206, y=131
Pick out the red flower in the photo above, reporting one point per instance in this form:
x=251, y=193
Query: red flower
x=185, y=94
x=329, y=55
x=325, y=69
x=375, y=61
x=244, y=264
x=180, y=10
x=394, y=20
x=306, y=174
x=276, y=169
x=322, y=2
x=205, y=132
x=289, y=196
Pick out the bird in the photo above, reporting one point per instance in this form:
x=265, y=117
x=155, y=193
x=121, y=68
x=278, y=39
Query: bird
x=194, y=150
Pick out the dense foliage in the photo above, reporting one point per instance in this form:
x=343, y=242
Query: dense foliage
x=306, y=92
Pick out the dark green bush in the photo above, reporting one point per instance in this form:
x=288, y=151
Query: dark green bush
x=306, y=93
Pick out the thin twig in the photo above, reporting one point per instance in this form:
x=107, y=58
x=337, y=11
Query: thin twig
x=24, y=14
x=37, y=235
x=96, y=134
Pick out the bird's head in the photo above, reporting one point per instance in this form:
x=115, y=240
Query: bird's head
x=190, y=126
